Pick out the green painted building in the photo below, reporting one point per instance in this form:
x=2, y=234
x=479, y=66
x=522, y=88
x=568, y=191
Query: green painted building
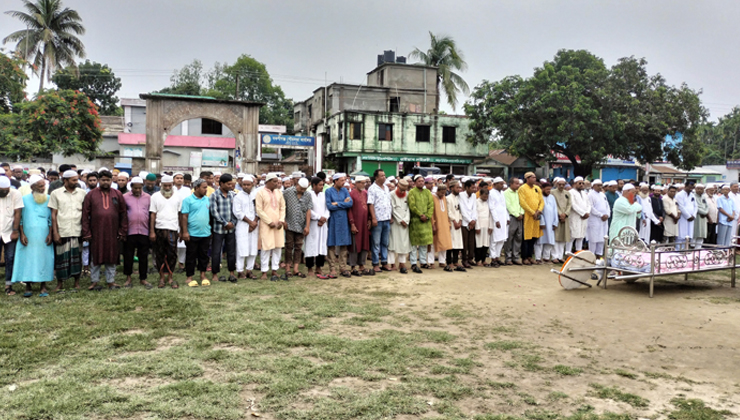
x=396, y=142
x=389, y=123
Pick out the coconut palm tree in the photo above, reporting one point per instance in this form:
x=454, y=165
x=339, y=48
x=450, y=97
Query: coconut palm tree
x=444, y=54
x=50, y=37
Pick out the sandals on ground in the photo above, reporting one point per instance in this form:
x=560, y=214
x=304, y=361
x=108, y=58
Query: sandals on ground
x=193, y=283
x=9, y=291
x=299, y=274
x=205, y=282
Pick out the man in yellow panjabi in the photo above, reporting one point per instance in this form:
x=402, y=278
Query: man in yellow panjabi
x=531, y=200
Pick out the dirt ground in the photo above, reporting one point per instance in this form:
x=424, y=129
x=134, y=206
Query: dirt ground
x=684, y=342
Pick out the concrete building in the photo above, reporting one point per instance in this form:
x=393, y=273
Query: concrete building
x=389, y=123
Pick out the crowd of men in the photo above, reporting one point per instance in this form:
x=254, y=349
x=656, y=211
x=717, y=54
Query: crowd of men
x=61, y=225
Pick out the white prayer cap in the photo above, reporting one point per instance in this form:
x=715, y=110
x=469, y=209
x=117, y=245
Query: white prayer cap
x=123, y=174
x=217, y=173
x=137, y=180
x=17, y=167
x=270, y=176
x=679, y=186
x=596, y=182
x=2, y=171
x=143, y=174
x=361, y=178
x=338, y=175
x=643, y=184
x=628, y=187
x=167, y=179
x=249, y=178
x=103, y=169
x=177, y=173
x=287, y=178
x=497, y=180
x=390, y=178
x=4, y=182
x=699, y=185
x=240, y=175
x=69, y=173
x=578, y=178
x=303, y=182
x=34, y=179
x=296, y=174
x=542, y=180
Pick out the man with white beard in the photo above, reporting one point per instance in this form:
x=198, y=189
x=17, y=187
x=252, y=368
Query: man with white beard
x=247, y=228
x=687, y=205
x=34, y=252
x=579, y=212
x=598, y=222
x=164, y=229
x=648, y=217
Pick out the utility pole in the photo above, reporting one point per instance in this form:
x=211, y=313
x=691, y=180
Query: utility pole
x=236, y=93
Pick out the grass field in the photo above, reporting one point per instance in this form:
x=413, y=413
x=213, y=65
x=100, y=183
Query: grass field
x=293, y=350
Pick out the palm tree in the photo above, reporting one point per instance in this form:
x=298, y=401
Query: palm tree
x=444, y=54
x=49, y=36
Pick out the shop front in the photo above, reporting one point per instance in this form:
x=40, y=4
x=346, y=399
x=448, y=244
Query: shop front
x=403, y=164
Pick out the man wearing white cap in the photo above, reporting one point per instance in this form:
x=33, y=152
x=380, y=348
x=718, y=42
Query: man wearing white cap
x=164, y=226
x=34, y=253
x=687, y=205
x=66, y=224
x=297, y=224
x=702, y=209
x=287, y=182
x=672, y=214
x=626, y=211
x=712, y=214
x=238, y=185
x=598, y=222
x=316, y=240
x=247, y=228
x=137, y=241
x=122, y=182
x=562, y=231
x=500, y=220
x=11, y=205
x=579, y=213
x=270, y=207
x=338, y=202
x=648, y=218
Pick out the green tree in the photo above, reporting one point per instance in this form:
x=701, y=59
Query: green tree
x=12, y=82
x=246, y=80
x=63, y=121
x=95, y=80
x=722, y=139
x=444, y=54
x=50, y=38
x=189, y=80
x=574, y=105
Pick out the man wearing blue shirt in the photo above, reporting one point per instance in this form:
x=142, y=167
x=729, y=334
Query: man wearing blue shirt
x=196, y=231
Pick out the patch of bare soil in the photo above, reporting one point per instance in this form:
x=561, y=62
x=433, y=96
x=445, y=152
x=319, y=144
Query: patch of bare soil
x=683, y=342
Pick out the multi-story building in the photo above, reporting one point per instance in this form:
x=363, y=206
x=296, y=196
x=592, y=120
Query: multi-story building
x=390, y=122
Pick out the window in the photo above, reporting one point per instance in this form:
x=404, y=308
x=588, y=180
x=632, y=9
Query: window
x=310, y=113
x=297, y=117
x=209, y=126
x=448, y=135
x=395, y=104
x=355, y=131
x=341, y=131
x=385, y=132
x=422, y=133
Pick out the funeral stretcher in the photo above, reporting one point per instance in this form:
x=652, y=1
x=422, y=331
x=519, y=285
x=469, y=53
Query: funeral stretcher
x=628, y=258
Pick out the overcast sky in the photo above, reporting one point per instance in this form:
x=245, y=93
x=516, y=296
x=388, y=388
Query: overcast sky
x=143, y=41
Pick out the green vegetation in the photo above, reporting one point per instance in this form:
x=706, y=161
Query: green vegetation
x=567, y=370
x=614, y=393
x=694, y=409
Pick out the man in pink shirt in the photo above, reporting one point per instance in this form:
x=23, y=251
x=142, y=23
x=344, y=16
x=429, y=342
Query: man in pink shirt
x=137, y=208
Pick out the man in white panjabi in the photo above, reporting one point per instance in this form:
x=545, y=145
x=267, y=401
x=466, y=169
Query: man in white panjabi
x=648, y=217
x=315, y=246
x=687, y=205
x=598, y=221
x=247, y=228
x=579, y=213
x=500, y=218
